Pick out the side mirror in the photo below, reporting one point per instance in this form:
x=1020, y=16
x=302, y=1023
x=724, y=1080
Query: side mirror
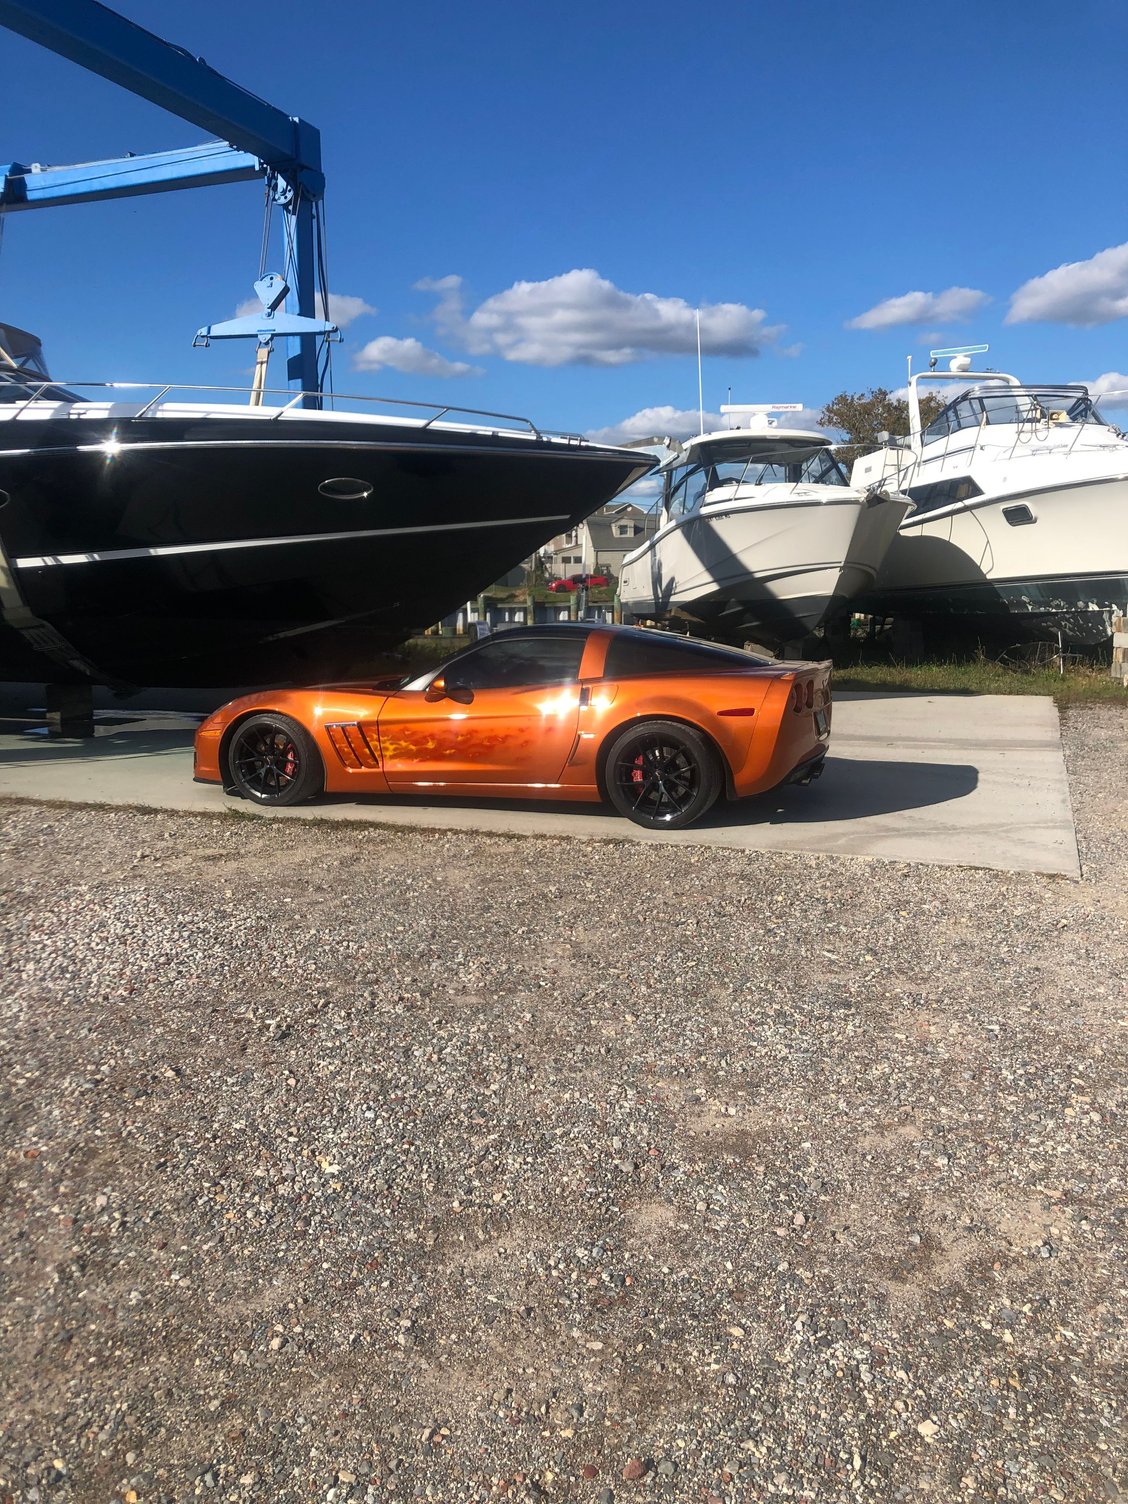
x=439, y=689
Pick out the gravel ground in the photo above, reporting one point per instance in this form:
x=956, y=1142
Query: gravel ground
x=356, y=1164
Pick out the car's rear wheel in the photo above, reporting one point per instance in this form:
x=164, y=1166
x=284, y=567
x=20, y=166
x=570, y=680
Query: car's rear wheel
x=272, y=760
x=662, y=775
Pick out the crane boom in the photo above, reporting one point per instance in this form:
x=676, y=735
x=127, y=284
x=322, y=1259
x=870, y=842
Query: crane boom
x=104, y=42
x=256, y=138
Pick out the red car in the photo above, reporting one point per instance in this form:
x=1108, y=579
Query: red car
x=574, y=581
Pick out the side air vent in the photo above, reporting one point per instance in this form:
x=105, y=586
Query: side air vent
x=1019, y=516
x=356, y=743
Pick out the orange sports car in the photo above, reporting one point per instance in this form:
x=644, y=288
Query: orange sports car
x=659, y=725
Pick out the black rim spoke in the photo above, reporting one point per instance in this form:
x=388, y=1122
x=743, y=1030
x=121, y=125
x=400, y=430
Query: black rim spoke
x=658, y=779
x=266, y=761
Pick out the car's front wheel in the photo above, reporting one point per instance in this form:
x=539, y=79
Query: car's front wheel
x=272, y=760
x=662, y=775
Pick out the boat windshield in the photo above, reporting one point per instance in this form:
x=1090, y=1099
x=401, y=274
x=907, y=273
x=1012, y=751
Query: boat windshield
x=1016, y=405
x=688, y=485
x=21, y=386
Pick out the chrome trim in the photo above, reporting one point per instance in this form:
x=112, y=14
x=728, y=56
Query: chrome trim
x=541, y=451
x=162, y=551
x=358, y=490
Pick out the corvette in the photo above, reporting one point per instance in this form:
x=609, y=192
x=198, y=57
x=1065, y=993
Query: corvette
x=658, y=725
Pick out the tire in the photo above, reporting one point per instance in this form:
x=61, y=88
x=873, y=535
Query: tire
x=662, y=775
x=271, y=760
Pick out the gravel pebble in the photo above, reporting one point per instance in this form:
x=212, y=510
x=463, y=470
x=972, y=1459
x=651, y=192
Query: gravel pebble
x=348, y=1163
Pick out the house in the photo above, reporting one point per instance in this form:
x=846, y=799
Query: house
x=597, y=545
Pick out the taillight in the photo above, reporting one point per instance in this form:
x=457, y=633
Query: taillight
x=803, y=695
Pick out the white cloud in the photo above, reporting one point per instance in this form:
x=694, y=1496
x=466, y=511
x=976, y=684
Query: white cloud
x=1110, y=390
x=951, y=307
x=580, y=318
x=409, y=356
x=644, y=492
x=1078, y=292
x=676, y=422
x=806, y=417
x=685, y=422
x=343, y=309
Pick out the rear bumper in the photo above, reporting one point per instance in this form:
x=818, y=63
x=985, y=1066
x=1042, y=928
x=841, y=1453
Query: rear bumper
x=808, y=770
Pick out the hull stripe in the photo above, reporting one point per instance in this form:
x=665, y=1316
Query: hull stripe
x=47, y=561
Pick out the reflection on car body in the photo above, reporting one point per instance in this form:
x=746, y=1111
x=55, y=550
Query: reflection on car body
x=658, y=725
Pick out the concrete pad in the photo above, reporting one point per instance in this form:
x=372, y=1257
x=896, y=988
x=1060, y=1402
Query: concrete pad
x=975, y=780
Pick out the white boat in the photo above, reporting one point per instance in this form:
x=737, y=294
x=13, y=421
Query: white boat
x=1020, y=509
x=760, y=534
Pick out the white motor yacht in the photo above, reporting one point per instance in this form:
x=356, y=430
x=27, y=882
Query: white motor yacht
x=761, y=534
x=1020, y=513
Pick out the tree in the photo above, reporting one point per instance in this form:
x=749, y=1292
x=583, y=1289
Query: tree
x=862, y=416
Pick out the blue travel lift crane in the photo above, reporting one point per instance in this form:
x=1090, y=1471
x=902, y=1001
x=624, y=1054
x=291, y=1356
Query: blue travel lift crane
x=257, y=141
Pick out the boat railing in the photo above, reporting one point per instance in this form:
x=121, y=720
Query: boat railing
x=289, y=403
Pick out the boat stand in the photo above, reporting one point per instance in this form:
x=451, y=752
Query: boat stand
x=69, y=710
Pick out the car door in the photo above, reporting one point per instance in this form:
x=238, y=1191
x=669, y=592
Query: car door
x=514, y=721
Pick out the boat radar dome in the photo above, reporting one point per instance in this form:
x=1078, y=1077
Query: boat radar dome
x=758, y=414
x=957, y=356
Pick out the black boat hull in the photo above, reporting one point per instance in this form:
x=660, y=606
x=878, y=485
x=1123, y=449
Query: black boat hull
x=187, y=551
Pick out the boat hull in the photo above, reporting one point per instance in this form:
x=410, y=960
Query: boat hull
x=780, y=570
x=188, y=551
x=975, y=564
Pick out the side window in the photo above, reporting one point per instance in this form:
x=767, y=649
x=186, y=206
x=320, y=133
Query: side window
x=687, y=490
x=507, y=662
x=822, y=469
x=943, y=493
x=629, y=655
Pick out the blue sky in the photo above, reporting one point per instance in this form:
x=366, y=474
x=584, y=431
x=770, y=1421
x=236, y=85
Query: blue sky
x=534, y=200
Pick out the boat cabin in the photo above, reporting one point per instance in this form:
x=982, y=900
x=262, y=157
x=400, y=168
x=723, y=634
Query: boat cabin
x=739, y=459
x=998, y=403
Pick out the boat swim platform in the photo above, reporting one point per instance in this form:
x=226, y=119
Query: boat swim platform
x=960, y=780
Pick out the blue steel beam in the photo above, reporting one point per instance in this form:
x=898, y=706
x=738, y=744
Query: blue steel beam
x=38, y=187
x=104, y=42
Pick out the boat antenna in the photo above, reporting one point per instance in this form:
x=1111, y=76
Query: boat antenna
x=700, y=397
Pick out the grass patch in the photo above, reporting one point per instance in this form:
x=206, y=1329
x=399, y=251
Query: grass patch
x=1081, y=684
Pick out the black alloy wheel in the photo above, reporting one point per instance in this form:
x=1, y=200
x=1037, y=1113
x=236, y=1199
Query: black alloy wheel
x=662, y=775
x=272, y=760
